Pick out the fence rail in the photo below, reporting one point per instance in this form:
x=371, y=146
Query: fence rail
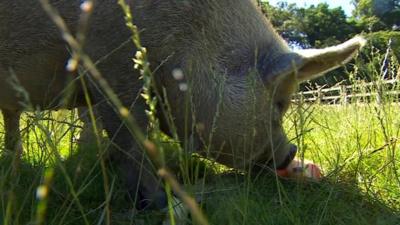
x=344, y=94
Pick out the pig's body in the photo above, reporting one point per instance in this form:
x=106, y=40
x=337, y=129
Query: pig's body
x=32, y=66
x=240, y=75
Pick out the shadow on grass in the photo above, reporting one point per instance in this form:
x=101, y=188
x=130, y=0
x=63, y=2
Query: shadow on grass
x=228, y=199
x=268, y=201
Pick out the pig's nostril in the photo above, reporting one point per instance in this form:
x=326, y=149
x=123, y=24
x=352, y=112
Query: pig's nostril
x=289, y=157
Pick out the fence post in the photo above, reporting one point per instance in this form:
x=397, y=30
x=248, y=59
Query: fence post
x=343, y=94
x=320, y=96
x=379, y=93
x=301, y=99
x=347, y=94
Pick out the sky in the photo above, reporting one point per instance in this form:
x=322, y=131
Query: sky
x=345, y=4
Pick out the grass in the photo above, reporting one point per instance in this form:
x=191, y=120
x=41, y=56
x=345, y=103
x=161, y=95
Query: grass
x=356, y=145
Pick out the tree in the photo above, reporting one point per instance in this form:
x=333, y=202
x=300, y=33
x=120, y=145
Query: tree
x=323, y=26
x=282, y=18
x=320, y=26
x=380, y=19
x=316, y=26
x=378, y=15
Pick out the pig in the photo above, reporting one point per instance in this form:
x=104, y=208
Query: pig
x=226, y=75
x=32, y=79
x=39, y=90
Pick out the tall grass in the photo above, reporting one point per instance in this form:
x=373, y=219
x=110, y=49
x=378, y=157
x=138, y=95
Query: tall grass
x=356, y=145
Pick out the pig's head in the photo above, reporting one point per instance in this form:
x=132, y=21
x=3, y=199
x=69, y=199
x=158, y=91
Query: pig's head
x=260, y=74
x=248, y=127
x=240, y=72
x=281, y=76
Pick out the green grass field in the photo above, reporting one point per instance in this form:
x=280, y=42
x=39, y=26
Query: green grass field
x=357, y=147
x=61, y=182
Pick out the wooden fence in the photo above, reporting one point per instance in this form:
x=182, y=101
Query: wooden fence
x=344, y=94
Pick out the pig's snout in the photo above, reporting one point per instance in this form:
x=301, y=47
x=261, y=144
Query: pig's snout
x=289, y=157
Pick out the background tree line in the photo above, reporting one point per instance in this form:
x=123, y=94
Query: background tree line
x=321, y=26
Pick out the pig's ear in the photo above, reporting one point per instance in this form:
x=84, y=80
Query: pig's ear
x=315, y=62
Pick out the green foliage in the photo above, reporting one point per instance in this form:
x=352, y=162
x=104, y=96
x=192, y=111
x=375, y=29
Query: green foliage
x=380, y=57
x=316, y=26
x=284, y=22
x=381, y=39
x=321, y=26
x=377, y=14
